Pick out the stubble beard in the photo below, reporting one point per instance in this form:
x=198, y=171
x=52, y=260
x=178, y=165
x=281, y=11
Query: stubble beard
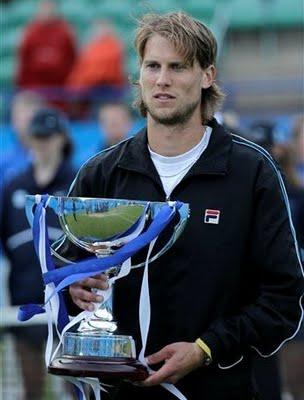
x=178, y=117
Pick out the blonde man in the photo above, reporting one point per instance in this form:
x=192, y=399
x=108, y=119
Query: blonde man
x=232, y=283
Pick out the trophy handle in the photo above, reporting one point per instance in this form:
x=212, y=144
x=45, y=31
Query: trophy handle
x=178, y=229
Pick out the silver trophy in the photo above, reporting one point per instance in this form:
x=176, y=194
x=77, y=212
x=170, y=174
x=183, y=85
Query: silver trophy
x=102, y=227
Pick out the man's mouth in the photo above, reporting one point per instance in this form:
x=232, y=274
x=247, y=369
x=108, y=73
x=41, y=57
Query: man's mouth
x=163, y=96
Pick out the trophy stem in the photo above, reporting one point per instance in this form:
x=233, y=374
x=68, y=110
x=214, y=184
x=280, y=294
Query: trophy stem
x=102, y=321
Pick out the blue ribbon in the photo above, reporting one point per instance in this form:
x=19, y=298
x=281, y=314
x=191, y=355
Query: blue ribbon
x=28, y=311
x=65, y=276
x=96, y=265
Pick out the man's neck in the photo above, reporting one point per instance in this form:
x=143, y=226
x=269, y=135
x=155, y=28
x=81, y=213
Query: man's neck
x=173, y=140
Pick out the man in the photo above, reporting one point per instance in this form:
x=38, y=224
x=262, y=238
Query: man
x=115, y=123
x=47, y=51
x=101, y=60
x=24, y=105
x=50, y=171
x=231, y=284
x=297, y=141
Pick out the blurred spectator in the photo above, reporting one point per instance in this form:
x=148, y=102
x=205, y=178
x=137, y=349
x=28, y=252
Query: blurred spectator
x=267, y=373
x=298, y=147
x=50, y=172
x=285, y=156
x=47, y=51
x=24, y=105
x=266, y=370
x=115, y=123
x=292, y=355
x=263, y=133
x=230, y=119
x=101, y=61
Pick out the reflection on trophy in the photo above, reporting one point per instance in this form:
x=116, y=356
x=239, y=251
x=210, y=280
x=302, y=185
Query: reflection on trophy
x=104, y=227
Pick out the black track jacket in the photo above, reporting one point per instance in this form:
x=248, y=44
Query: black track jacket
x=236, y=284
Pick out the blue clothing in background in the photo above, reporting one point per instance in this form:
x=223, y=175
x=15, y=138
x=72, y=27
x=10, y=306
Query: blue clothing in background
x=13, y=162
x=25, y=278
x=300, y=170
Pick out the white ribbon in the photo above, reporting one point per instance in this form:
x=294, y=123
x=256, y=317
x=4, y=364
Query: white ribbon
x=144, y=322
x=52, y=309
x=76, y=382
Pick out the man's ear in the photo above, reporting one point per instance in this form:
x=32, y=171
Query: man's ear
x=208, y=76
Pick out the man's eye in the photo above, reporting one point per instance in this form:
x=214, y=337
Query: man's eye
x=178, y=67
x=152, y=65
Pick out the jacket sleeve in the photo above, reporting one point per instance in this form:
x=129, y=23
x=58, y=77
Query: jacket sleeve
x=275, y=314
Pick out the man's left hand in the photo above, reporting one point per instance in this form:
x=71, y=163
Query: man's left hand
x=180, y=359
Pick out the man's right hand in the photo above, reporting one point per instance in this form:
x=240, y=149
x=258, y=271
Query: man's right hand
x=82, y=295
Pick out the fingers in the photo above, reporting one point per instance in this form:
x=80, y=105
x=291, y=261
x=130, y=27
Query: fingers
x=83, y=296
x=160, y=356
x=179, y=359
x=97, y=282
x=165, y=374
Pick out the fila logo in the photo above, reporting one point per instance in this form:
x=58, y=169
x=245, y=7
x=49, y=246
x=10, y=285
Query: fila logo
x=212, y=216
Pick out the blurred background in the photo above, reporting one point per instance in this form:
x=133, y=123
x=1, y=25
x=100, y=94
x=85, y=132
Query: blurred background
x=77, y=58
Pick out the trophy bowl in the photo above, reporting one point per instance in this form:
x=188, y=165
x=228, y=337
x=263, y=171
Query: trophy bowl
x=103, y=227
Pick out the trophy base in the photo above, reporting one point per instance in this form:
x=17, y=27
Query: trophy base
x=102, y=368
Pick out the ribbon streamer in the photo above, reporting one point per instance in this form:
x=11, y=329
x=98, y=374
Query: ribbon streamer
x=57, y=279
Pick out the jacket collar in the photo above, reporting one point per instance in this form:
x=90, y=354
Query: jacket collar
x=213, y=161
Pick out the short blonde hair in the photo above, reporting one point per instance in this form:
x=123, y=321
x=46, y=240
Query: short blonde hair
x=193, y=40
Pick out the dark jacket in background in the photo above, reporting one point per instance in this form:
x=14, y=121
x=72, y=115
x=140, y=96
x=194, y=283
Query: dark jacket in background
x=25, y=279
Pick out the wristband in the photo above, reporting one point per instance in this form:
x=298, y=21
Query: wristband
x=207, y=352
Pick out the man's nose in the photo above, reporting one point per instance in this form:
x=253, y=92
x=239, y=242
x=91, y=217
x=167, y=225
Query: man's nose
x=163, y=78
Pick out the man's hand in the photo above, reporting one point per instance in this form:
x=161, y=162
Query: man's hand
x=81, y=292
x=180, y=359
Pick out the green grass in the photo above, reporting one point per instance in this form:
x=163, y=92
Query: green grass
x=105, y=224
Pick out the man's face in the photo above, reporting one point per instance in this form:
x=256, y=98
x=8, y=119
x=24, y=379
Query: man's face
x=116, y=123
x=22, y=114
x=45, y=148
x=170, y=88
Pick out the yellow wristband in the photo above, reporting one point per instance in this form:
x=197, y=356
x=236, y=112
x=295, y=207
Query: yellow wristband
x=204, y=347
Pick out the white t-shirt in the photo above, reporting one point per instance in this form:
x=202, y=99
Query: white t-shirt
x=172, y=169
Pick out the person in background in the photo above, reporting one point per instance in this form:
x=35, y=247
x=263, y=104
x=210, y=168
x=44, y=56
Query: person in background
x=115, y=123
x=292, y=355
x=285, y=155
x=262, y=132
x=297, y=140
x=24, y=105
x=50, y=172
x=100, y=62
x=230, y=287
x=47, y=51
x=269, y=375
